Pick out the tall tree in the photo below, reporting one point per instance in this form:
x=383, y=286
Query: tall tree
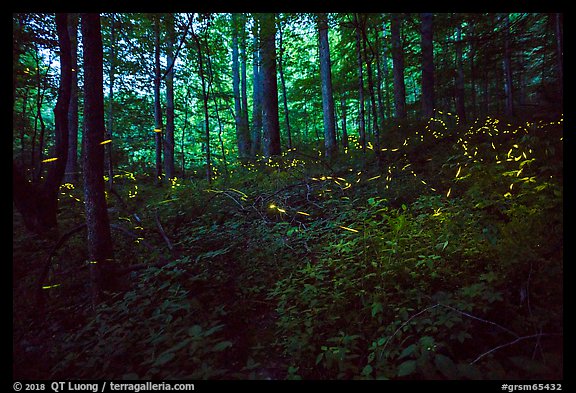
x=507, y=65
x=100, y=248
x=169, y=136
x=38, y=202
x=459, y=90
x=283, y=83
x=271, y=125
x=361, y=116
x=244, y=84
x=368, y=59
x=256, y=91
x=330, y=144
x=205, y=99
x=427, y=65
x=558, y=30
x=157, y=104
x=71, y=172
x=242, y=132
x=111, y=78
x=398, y=67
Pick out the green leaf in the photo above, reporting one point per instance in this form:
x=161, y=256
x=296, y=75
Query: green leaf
x=367, y=370
x=446, y=366
x=222, y=346
x=409, y=350
x=376, y=308
x=164, y=358
x=406, y=368
x=195, y=331
x=469, y=371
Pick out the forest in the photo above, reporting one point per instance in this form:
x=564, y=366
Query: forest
x=280, y=196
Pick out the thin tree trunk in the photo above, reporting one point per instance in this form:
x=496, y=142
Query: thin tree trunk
x=244, y=86
x=111, y=76
x=361, y=115
x=385, y=68
x=558, y=29
x=283, y=85
x=460, y=96
x=38, y=203
x=427, y=65
x=205, y=105
x=343, y=110
x=169, y=137
x=71, y=172
x=509, y=107
x=256, y=93
x=368, y=59
x=157, y=105
x=330, y=145
x=398, y=68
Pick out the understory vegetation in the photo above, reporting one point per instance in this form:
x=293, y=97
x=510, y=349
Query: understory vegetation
x=440, y=257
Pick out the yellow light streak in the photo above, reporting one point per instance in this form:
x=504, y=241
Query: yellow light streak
x=348, y=229
x=50, y=159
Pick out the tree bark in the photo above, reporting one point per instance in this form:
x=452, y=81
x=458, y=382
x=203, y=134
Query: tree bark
x=509, y=105
x=283, y=86
x=157, y=105
x=71, y=172
x=271, y=125
x=256, y=92
x=205, y=105
x=169, y=136
x=368, y=59
x=558, y=30
x=398, y=68
x=330, y=146
x=38, y=203
x=110, y=128
x=361, y=114
x=427, y=65
x=460, y=93
x=100, y=249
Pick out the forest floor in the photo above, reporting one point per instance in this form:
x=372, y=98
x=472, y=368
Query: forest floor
x=439, y=258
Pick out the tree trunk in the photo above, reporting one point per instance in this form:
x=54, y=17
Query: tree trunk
x=460, y=94
x=111, y=77
x=385, y=69
x=271, y=140
x=169, y=136
x=205, y=105
x=283, y=86
x=558, y=29
x=100, y=249
x=368, y=59
x=244, y=86
x=361, y=115
x=157, y=104
x=344, y=128
x=509, y=107
x=71, y=172
x=256, y=93
x=427, y=66
x=38, y=203
x=330, y=146
x=398, y=68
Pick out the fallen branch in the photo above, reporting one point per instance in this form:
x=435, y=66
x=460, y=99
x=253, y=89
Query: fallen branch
x=514, y=342
x=162, y=232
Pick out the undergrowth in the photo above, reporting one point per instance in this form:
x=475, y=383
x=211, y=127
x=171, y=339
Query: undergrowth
x=440, y=257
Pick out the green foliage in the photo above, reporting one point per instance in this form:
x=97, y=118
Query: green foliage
x=284, y=270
